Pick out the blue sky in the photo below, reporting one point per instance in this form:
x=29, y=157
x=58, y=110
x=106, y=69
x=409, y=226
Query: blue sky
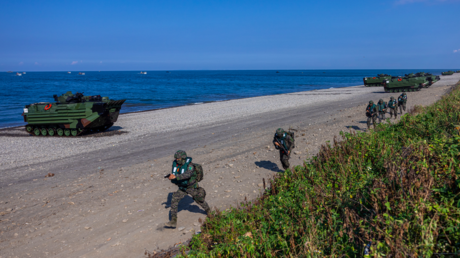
x=228, y=35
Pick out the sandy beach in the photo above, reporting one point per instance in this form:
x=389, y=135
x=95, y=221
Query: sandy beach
x=108, y=197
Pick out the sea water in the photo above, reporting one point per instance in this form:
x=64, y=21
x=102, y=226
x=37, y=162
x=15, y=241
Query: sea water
x=163, y=89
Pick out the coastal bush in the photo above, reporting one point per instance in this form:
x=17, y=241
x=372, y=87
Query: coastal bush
x=393, y=192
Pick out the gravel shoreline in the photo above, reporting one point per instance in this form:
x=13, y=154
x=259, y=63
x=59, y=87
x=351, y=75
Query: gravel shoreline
x=19, y=150
x=24, y=151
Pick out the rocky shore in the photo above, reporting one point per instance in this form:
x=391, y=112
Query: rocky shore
x=108, y=198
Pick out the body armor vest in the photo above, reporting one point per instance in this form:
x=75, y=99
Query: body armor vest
x=283, y=141
x=371, y=109
x=177, y=170
x=392, y=103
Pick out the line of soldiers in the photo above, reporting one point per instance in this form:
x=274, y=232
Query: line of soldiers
x=378, y=111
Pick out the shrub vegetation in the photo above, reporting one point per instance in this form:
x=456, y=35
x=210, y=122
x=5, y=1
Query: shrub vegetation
x=393, y=192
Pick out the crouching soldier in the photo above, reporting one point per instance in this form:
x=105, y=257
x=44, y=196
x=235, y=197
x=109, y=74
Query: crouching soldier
x=186, y=176
x=392, y=104
x=382, y=107
x=371, y=113
x=284, y=142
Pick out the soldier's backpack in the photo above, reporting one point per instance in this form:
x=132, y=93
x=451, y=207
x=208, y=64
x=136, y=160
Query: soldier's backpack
x=293, y=139
x=198, y=171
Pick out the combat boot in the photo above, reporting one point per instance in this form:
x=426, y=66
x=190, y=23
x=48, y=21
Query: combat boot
x=208, y=211
x=172, y=223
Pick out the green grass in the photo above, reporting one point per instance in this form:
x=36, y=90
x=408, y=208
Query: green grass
x=397, y=187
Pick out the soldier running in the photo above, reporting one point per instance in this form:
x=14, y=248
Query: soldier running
x=284, y=142
x=392, y=104
x=402, y=99
x=382, y=107
x=184, y=175
x=371, y=113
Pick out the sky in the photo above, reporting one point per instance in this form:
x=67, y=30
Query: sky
x=228, y=35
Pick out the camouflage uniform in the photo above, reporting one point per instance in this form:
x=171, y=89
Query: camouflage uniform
x=198, y=194
x=188, y=185
x=382, y=107
x=288, y=144
x=402, y=99
x=371, y=113
x=392, y=104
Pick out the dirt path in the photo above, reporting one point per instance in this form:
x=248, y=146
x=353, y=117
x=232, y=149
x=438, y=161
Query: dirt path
x=113, y=202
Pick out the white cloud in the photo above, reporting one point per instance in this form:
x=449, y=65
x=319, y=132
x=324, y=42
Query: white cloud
x=74, y=63
x=455, y=51
x=100, y=62
x=21, y=63
x=36, y=63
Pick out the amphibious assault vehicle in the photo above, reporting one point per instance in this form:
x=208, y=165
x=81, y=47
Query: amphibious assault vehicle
x=375, y=81
x=397, y=84
x=448, y=73
x=458, y=71
x=431, y=78
x=71, y=115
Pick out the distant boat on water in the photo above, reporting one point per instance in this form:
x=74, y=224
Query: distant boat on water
x=143, y=72
x=23, y=72
x=80, y=73
x=9, y=71
x=18, y=74
x=69, y=72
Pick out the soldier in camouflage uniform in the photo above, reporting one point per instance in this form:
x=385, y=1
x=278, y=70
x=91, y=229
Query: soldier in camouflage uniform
x=183, y=176
x=382, y=107
x=402, y=99
x=284, y=142
x=392, y=104
x=371, y=113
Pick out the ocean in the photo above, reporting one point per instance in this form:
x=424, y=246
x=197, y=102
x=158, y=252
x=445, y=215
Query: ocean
x=162, y=89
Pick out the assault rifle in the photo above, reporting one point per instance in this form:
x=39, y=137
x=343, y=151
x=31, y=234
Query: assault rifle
x=167, y=176
x=281, y=146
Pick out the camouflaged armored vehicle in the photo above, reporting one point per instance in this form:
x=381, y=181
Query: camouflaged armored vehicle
x=431, y=79
x=71, y=115
x=375, y=81
x=405, y=84
x=448, y=73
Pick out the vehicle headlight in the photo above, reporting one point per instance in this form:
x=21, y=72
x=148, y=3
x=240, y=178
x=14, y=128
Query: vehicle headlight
x=365, y=79
x=26, y=110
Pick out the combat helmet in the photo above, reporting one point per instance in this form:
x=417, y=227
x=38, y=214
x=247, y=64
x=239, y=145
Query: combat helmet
x=181, y=155
x=279, y=132
x=404, y=94
x=380, y=100
x=371, y=102
x=392, y=98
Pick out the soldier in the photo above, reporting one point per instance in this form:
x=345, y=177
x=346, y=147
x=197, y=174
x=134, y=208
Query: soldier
x=402, y=99
x=382, y=107
x=392, y=104
x=371, y=113
x=284, y=142
x=185, y=175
